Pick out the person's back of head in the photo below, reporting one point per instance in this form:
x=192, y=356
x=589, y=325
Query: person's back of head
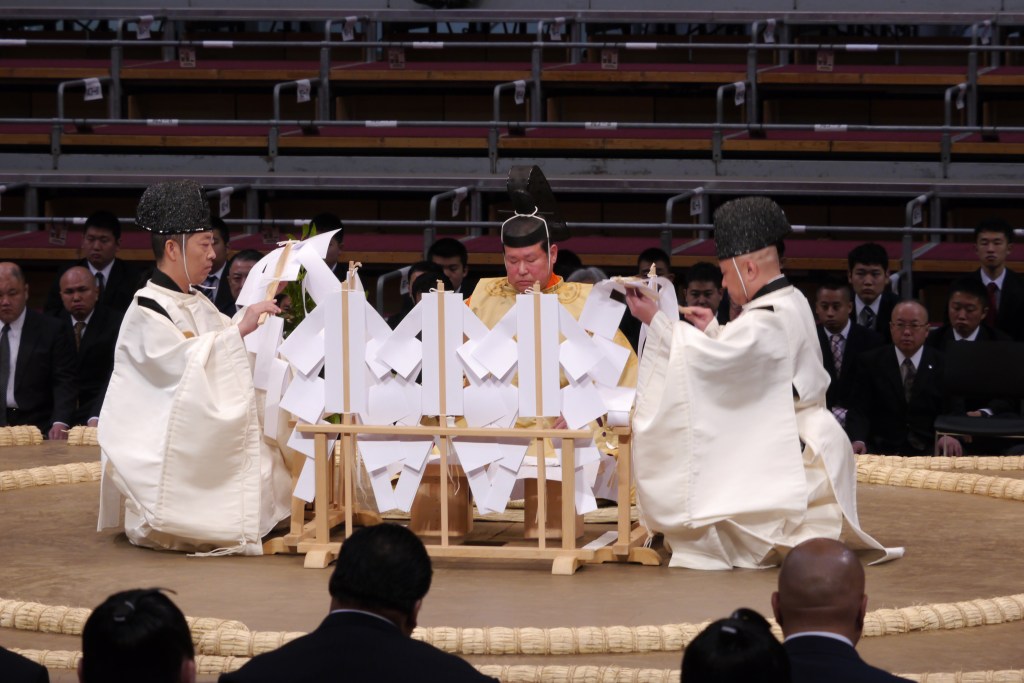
x=137, y=635
x=384, y=569
x=740, y=648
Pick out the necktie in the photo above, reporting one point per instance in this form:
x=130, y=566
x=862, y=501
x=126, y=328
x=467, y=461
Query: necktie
x=867, y=317
x=908, y=372
x=210, y=287
x=5, y=372
x=837, y=352
x=993, y=304
x=79, y=329
x=100, y=282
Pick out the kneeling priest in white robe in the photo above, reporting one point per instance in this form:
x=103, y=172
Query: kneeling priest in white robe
x=737, y=458
x=180, y=430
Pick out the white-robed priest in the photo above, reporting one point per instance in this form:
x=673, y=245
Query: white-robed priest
x=737, y=458
x=180, y=430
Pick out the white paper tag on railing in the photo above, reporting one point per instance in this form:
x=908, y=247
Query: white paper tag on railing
x=93, y=89
x=460, y=196
x=225, y=201
x=58, y=234
x=161, y=122
x=610, y=59
x=986, y=32
x=916, y=214
x=826, y=60
x=396, y=58
x=741, y=93
x=697, y=203
x=555, y=29
x=348, y=29
x=382, y=124
x=961, y=95
x=428, y=45
x=829, y=128
x=769, y=31
x=187, y=57
x=641, y=46
x=142, y=28
x=302, y=90
x=799, y=228
x=600, y=125
x=520, y=92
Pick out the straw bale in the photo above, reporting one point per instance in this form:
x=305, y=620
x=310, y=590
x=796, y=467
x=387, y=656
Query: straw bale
x=52, y=659
x=945, y=463
x=35, y=616
x=959, y=482
x=50, y=475
x=83, y=436
x=242, y=643
x=578, y=674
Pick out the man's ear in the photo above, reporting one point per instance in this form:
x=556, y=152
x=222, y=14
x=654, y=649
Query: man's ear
x=553, y=250
x=188, y=671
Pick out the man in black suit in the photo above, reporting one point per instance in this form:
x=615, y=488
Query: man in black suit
x=216, y=286
x=967, y=308
x=94, y=329
x=898, y=392
x=325, y=222
x=17, y=669
x=118, y=280
x=37, y=362
x=377, y=588
x=842, y=341
x=453, y=258
x=820, y=605
x=1005, y=289
x=238, y=271
x=868, y=273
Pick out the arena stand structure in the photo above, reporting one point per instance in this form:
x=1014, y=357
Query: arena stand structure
x=900, y=127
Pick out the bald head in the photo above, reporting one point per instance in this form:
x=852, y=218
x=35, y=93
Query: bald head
x=79, y=292
x=13, y=292
x=12, y=270
x=821, y=588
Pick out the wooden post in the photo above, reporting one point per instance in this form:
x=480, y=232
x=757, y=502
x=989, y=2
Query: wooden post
x=569, y=493
x=542, y=488
x=278, y=271
x=443, y=413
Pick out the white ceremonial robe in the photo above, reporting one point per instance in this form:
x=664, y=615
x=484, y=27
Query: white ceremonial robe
x=737, y=459
x=180, y=433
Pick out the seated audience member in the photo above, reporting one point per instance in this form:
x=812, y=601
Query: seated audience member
x=740, y=648
x=820, y=605
x=137, y=635
x=94, y=328
x=590, y=276
x=966, y=309
x=37, y=362
x=451, y=255
x=118, y=280
x=238, y=270
x=18, y=669
x=408, y=302
x=868, y=273
x=841, y=341
x=377, y=589
x=568, y=263
x=898, y=392
x=216, y=285
x=993, y=240
x=325, y=222
x=704, y=288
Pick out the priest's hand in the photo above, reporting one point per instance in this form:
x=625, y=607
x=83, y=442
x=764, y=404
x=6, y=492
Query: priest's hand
x=250, y=319
x=58, y=432
x=643, y=308
x=947, y=445
x=700, y=317
x=859, y=447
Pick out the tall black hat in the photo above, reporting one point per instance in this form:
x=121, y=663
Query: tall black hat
x=174, y=207
x=748, y=224
x=536, y=215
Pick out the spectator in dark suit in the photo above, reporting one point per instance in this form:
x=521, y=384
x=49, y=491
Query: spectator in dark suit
x=325, y=222
x=898, y=392
x=704, y=288
x=377, y=589
x=740, y=648
x=238, y=271
x=868, y=273
x=137, y=635
x=17, y=669
x=841, y=341
x=820, y=605
x=452, y=256
x=993, y=239
x=216, y=285
x=967, y=308
x=94, y=329
x=118, y=280
x=37, y=362
x=408, y=300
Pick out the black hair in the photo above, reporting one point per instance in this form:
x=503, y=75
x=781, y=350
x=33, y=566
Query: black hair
x=384, y=566
x=704, y=272
x=135, y=635
x=427, y=281
x=325, y=222
x=994, y=225
x=653, y=255
x=218, y=225
x=868, y=254
x=740, y=648
x=972, y=287
x=447, y=247
x=104, y=220
x=833, y=284
x=246, y=255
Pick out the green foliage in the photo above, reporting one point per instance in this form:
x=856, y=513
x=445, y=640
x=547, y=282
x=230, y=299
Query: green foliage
x=293, y=290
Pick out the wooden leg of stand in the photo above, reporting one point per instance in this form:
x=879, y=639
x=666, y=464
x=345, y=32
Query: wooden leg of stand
x=542, y=495
x=323, y=481
x=568, y=493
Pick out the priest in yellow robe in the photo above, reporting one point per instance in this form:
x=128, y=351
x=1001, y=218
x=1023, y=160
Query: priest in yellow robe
x=181, y=427
x=736, y=457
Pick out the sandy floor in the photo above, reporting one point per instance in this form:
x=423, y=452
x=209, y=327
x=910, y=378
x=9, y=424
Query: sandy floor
x=959, y=547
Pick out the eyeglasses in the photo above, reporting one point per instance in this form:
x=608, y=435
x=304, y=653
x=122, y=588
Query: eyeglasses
x=900, y=325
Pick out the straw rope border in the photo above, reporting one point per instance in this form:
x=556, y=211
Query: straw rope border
x=50, y=475
x=228, y=638
x=1005, y=463
x=1004, y=488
